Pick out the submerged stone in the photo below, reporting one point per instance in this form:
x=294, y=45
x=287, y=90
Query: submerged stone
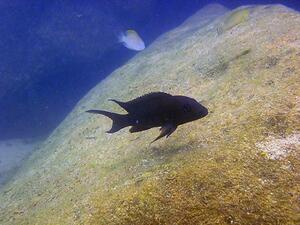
x=212, y=171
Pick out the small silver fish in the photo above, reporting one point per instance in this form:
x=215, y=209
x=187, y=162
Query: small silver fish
x=131, y=40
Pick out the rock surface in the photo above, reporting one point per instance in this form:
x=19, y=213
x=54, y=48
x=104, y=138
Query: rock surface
x=213, y=171
x=12, y=153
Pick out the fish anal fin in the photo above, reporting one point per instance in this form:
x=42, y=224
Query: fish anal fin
x=166, y=130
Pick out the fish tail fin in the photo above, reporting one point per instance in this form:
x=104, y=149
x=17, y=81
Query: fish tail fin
x=119, y=121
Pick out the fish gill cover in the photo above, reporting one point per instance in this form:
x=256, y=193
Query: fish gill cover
x=214, y=171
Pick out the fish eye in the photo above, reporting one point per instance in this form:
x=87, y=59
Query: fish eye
x=187, y=108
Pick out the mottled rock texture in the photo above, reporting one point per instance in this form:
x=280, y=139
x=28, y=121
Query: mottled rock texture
x=12, y=153
x=212, y=171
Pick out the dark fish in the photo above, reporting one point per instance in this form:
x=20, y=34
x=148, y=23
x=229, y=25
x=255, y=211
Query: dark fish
x=156, y=109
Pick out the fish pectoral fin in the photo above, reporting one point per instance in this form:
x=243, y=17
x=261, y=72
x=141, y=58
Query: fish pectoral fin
x=166, y=130
x=171, y=131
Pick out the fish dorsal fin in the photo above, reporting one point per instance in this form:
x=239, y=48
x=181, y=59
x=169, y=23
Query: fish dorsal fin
x=130, y=106
x=144, y=99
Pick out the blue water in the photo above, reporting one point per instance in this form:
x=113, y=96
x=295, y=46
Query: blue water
x=53, y=52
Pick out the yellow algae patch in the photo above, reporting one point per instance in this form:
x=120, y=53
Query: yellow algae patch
x=229, y=186
x=235, y=18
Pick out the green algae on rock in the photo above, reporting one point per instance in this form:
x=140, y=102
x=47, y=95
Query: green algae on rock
x=215, y=171
x=235, y=18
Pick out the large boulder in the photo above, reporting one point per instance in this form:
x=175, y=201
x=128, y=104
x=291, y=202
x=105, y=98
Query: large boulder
x=218, y=170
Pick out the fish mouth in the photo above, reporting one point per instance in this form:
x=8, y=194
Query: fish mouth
x=205, y=112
